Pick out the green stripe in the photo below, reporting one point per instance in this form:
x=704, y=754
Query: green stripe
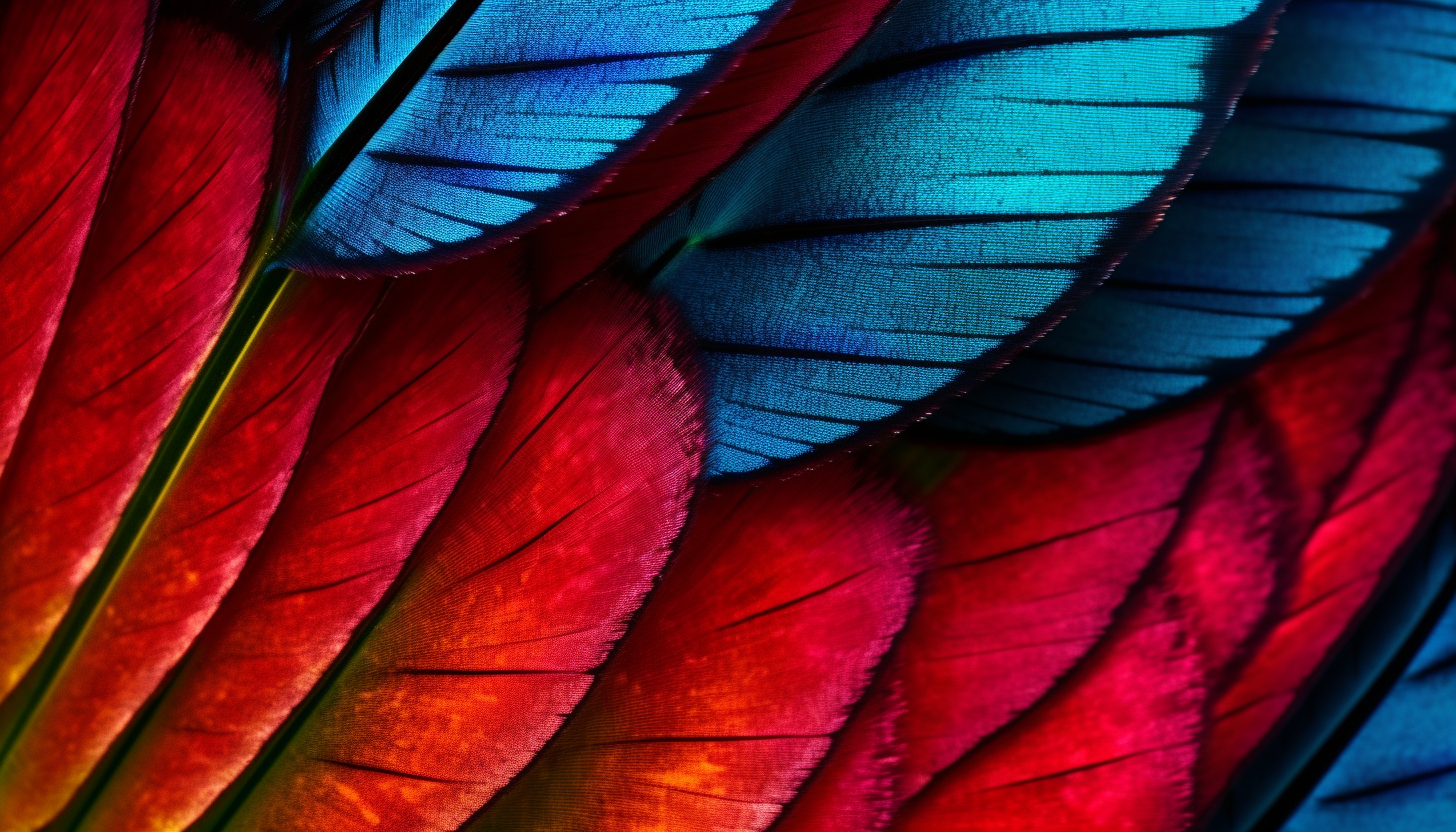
x=258, y=298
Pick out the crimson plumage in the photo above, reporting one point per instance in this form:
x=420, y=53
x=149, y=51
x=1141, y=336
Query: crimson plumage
x=440, y=546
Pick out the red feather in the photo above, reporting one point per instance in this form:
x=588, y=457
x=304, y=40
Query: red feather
x=150, y=297
x=1367, y=412
x=1223, y=562
x=742, y=666
x=65, y=71
x=854, y=788
x=1038, y=547
x=562, y=518
x=391, y=437
x=163, y=593
x=1112, y=747
x=1280, y=506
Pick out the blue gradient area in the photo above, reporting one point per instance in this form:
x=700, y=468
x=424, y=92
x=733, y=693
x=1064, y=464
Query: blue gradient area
x=520, y=113
x=1339, y=151
x=1399, y=771
x=923, y=213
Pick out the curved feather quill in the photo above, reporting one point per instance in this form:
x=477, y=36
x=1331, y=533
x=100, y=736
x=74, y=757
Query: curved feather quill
x=930, y=209
x=156, y=585
x=439, y=128
x=1341, y=149
x=150, y=296
x=423, y=634
x=744, y=663
x=392, y=432
x=491, y=633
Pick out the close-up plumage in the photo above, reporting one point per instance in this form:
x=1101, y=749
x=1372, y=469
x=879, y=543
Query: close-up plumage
x=727, y=415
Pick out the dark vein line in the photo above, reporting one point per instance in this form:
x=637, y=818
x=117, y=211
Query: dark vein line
x=1390, y=785
x=790, y=232
x=920, y=59
x=392, y=772
x=380, y=107
x=548, y=65
x=1075, y=533
x=726, y=738
x=809, y=596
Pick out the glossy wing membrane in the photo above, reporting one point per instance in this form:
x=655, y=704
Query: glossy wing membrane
x=929, y=209
x=438, y=128
x=1343, y=146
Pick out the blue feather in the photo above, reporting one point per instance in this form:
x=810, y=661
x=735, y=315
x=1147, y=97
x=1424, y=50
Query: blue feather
x=440, y=127
x=1342, y=147
x=970, y=166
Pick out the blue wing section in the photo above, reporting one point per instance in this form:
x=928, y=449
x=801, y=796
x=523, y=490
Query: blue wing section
x=439, y=127
x=972, y=163
x=1341, y=148
x=1399, y=771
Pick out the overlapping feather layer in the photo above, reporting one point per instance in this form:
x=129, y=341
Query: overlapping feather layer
x=453, y=549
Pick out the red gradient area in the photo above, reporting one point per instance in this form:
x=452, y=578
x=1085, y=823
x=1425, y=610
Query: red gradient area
x=744, y=663
x=1292, y=496
x=1111, y=748
x=1223, y=563
x=555, y=532
x=188, y=555
x=65, y=71
x=1038, y=548
x=391, y=437
x=854, y=788
x=153, y=288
